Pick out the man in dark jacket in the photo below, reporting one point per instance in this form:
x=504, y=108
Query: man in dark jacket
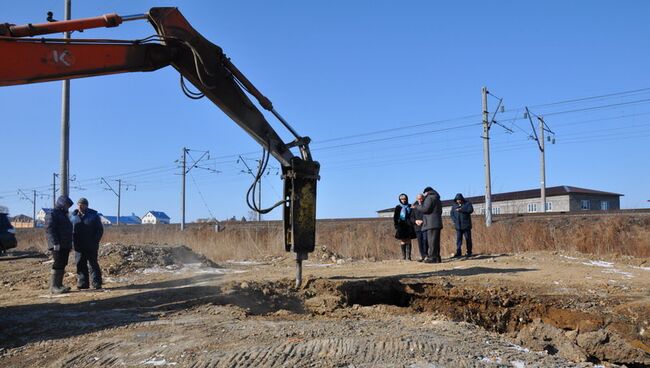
x=421, y=234
x=87, y=232
x=431, y=210
x=58, y=229
x=461, y=213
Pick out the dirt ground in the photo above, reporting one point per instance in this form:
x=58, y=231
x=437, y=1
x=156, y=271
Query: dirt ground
x=167, y=306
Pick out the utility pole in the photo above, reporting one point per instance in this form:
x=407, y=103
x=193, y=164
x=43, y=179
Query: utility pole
x=486, y=159
x=65, y=119
x=33, y=200
x=118, y=194
x=186, y=152
x=34, y=207
x=183, y=189
x=54, y=175
x=119, y=198
x=539, y=138
x=259, y=190
x=542, y=163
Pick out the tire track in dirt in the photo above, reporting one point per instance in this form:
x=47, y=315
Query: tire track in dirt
x=394, y=341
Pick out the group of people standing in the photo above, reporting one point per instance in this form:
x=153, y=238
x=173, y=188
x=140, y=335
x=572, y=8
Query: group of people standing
x=82, y=231
x=422, y=220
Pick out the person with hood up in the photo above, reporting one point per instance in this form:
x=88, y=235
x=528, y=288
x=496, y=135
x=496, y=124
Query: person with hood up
x=86, y=234
x=431, y=210
x=58, y=230
x=461, y=213
x=402, y=219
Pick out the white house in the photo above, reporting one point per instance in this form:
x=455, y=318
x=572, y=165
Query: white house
x=155, y=217
x=40, y=215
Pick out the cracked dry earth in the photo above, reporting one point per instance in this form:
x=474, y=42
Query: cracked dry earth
x=166, y=306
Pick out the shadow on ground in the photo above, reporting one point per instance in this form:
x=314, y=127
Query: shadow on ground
x=56, y=319
x=20, y=254
x=470, y=271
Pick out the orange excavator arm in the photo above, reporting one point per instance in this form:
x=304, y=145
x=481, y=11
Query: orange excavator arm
x=29, y=60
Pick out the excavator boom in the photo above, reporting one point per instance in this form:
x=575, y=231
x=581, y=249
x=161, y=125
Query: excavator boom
x=202, y=63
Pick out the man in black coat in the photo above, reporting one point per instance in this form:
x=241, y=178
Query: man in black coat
x=87, y=232
x=461, y=215
x=58, y=230
x=431, y=210
x=421, y=234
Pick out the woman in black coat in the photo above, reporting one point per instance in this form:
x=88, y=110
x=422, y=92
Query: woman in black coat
x=403, y=220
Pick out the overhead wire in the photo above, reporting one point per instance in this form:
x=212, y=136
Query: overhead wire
x=149, y=174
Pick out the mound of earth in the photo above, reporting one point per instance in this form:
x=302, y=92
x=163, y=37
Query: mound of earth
x=120, y=259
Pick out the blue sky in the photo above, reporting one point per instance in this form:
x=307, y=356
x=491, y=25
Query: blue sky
x=389, y=92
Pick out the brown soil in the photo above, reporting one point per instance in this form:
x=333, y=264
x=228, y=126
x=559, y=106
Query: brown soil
x=167, y=306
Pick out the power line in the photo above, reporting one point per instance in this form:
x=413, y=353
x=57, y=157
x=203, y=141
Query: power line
x=593, y=97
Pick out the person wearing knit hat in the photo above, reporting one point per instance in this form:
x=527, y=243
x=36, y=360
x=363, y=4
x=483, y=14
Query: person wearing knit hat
x=87, y=231
x=58, y=230
x=461, y=216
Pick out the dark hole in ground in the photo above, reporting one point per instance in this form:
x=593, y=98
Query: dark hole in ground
x=374, y=292
x=540, y=322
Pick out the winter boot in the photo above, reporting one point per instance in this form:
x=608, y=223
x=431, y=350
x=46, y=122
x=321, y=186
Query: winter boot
x=56, y=282
x=403, y=250
x=82, y=281
x=97, y=285
x=408, y=251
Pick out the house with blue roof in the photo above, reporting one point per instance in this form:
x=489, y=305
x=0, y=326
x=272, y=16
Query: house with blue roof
x=124, y=220
x=155, y=217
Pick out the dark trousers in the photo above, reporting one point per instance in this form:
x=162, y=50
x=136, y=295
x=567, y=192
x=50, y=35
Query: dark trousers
x=60, y=258
x=83, y=258
x=433, y=236
x=459, y=240
x=422, y=243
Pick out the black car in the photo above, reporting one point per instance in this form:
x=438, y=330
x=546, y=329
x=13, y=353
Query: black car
x=7, y=231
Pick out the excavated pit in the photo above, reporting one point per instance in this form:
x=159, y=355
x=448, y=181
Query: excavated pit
x=582, y=329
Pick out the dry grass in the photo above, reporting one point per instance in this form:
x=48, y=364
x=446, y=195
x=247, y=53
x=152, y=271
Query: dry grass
x=616, y=234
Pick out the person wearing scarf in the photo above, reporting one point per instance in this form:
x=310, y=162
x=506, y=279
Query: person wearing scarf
x=403, y=221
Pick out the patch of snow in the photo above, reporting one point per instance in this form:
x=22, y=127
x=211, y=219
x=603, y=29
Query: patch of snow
x=518, y=363
x=243, y=263
x=599, y=264
x=186, y=268
x=641, y=268
x=571, y=258
x=625, y=274
x=519, y=348
x=492, y=359
x=116, y=279
x=65, y=295
x=158, y=362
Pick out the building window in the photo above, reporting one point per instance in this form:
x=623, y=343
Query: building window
x=496, y=210
x=604, y=205
x=532, y=207
x=549, y=206
x=585, y=204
